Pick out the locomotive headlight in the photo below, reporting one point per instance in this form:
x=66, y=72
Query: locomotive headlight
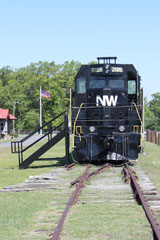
x=122, y=128
x=92, y=129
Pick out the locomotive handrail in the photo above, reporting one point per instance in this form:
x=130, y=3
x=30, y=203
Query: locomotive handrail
x=142, y=130
x=132, y=111
x=128, y=106
x=105, y=120
x=74, y=125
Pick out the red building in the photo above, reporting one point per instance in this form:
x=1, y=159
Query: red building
x=5, y=119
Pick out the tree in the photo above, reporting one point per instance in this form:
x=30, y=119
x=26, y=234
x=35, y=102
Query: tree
x=152, y=113
x=30, y=121
x=149, y=116
x=22, y=85
x=155, y=104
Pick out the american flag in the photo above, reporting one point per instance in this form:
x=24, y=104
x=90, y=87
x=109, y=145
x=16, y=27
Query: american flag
x=45, y=94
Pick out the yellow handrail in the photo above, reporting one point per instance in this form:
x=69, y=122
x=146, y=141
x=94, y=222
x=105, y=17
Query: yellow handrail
x=70, y=107
x=74, y=126
x=142, y=124
x=143, y=110
x=136, y=128
x=79, y=133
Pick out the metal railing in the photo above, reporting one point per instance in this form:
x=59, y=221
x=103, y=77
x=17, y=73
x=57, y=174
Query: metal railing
x=96, y=113
x=20, y=146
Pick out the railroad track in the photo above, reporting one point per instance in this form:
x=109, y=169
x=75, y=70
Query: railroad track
x=111, y=190
x=104, y=190
x=141, y=193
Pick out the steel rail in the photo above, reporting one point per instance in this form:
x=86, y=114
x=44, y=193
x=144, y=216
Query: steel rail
x=91, y=174
x=99, y=170
x=71, y=201
x=126, y=174
x=138, y=192
x=69, y=167
x=74, y=196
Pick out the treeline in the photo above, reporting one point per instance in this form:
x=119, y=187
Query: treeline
x=152, y=112
x=23, y=86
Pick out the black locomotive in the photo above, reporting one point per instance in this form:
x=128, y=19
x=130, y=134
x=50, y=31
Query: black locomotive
x=107, y=117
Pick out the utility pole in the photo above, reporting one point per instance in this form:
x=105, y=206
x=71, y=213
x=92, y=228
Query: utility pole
x=40, y=112
x=14, y=111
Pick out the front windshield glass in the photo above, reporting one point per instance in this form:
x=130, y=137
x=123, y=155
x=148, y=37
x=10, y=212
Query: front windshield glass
x=102, y=83
x=97, y=84
x=116, y=83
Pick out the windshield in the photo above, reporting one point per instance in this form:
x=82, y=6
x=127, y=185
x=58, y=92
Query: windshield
x=102, y=83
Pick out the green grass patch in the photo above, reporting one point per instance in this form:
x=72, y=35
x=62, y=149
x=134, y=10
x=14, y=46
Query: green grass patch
x=38, y=212
x=32, y=215
x=10, y=174
x=19, y=212
x=106, y=221
x=146, y=162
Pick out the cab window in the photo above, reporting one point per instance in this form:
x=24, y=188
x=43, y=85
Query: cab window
x=81, y=85
x=103, y=82
x=97, y=83
x=118, y=83
x=131, y=87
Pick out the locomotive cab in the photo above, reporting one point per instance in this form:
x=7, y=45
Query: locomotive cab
x=107, y=121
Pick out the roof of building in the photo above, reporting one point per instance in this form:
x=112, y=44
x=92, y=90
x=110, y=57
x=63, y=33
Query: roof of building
x=4, y=114
x=11, y=117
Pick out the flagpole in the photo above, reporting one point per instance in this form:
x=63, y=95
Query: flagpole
x=40, y=112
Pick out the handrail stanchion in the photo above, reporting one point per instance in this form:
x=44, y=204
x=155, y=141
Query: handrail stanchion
x=67, y=140
x=19, y=154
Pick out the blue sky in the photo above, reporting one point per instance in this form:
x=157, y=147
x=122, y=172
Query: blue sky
x=82, y=30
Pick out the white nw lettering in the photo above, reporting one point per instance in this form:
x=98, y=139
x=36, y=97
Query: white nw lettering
x=106, y=100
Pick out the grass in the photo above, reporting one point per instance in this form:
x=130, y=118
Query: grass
x=108, y=221
x=102, y=221
x=19, y=210
x=113, y=220
x=33, y=215
x=7, y=140
x=10, y=174
x=146, y=161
